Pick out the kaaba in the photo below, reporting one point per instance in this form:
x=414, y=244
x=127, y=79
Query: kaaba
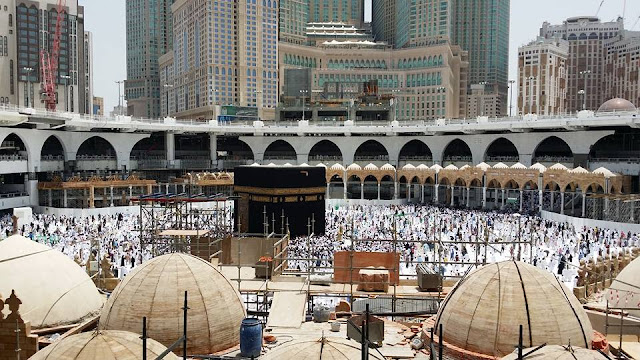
x=296, y=192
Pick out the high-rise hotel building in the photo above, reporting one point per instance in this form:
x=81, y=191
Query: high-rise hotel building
x=26, y=28
x=149, y=36
x=224, y=53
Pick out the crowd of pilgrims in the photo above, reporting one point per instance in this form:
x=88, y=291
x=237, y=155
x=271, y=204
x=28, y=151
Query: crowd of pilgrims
x=445, y=240
x=449, y=240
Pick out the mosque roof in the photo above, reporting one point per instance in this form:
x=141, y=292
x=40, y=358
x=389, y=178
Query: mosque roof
x=422, y=167
x=54, y=290
x=321, y=165
x=255, y=164
x=354, y=167
x=604, y=171
x=155, y=290
x=617, y=105
x=518, y=166
x=579, y=170
x=436, y=168
x=484, y=311
x=108, y=344
x=484, y=166
x=387, y=167
x=451, y=167
x=304, y=164
x=272, y=165
x=539, y=167
x=408, y=167
x=558, y=166
x=337, y=166
x=558, y=352
x=500, y=166
x=371, y=167
x=323, y=348
x=287, y=165
x=464, y=167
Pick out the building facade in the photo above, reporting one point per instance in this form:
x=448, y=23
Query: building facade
x=292, y=20
x=383, y=20
x=482, y=29
x=345, y=11
x=542, y=76
x=26, y=28
x=422, y=22
x=426, y=82
x=149, y=36
x=622, y=67
x=98, y=105
x=482, y=104
x=224, y=53
x=585, y=63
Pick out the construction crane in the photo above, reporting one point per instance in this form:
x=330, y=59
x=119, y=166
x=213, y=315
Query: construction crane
x=49, y=64
x=599, y=8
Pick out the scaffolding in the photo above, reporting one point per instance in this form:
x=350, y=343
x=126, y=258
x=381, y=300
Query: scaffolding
x=402, y=299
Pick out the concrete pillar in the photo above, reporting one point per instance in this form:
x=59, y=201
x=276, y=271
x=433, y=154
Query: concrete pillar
x=92, y=198
x=111, y=194
x=131, y=193
x=503, y=198
x=396, y=191
x=468, y=191
x=64, y=198
x=301, y=158
x=170, y=145
x=409, y=192
x=584, y=203
x=378, y=191
x=495, y=199
x=521, y=199
x=540, y=199
x=344, y=189
x=422, y=193
x=526, y=159
x=166, y=188
x=213, y=150
x=452, y=189
x=606, y=209
x=632, y=219
x=562, y=203
x=327, y=195
x=552, y=198
x=484, y=197
x=362, y=191
x=50, y=198
x=435, y=193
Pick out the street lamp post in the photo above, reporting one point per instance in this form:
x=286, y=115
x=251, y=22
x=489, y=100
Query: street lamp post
x=304, y=93
x=511, y=82
x=119, y=97
x=583, y=93
x=28, y=70
x=584, y=100
x=66, y=92
x=166, y=89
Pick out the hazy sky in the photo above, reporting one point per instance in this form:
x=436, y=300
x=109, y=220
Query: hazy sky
x=106, y=19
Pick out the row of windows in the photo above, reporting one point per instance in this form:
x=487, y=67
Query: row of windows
x=4, y=46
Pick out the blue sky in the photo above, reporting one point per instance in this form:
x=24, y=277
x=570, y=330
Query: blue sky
x=106, y=19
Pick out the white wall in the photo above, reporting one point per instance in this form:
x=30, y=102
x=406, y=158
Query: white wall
x=579, y=222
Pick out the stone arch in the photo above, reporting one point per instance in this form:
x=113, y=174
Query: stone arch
x=280, y=150
x=415, y=151
x=530, y=185
x=96, y=146
x=236, y=149
x=511, y=184
x=387, y=187
x=354, y=183
x=501, y=150
x=456, y=151
x=13, y=144
x=370, y=187
x=52, y=147
x=622, y=144
x=150, y=147
x=552, y=150
x=325, y=150
x=371, y=150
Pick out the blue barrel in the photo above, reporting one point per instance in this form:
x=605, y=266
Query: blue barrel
x=250, y=338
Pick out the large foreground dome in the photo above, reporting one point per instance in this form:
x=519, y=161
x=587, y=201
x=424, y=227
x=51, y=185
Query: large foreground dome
x=617, y=105
x=483, y=313
x=109, y=344
x=625, y=286
x=156, y=289
x=53, y=289
x=323, y=348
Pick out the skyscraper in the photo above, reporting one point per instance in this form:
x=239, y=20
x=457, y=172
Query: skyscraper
x=293, y=19
x=346, y=11
x=422, y=22
x=26, y=28
x=585, y=64
x=383, y=20
x=149, y=36
x=481, y=27
x=225, y=53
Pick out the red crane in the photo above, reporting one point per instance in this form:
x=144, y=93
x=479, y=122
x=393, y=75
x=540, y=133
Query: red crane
x=49, y=65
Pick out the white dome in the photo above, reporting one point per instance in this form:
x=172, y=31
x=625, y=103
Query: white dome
x=617, y=105
x=387, y=167
x=518, y=166
x=105, y=344
x=54, y=290
x=604, y=171
x=304, y=164
x=408, y=167
x=465, y=167
x=500, y=166
x=371, y=167
x=558, y=166
x=539, y=167
x=255, y=164
x=287, y=165
x=422, y=167
x=354, y=167
x=337, y=166
x=156, y=289
x=436, y=168
x=451, y=167
x=579, y=170
x=324, y=348
x=272, y=165
x=625, y=286
x=484, y=166
x=321, y=165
